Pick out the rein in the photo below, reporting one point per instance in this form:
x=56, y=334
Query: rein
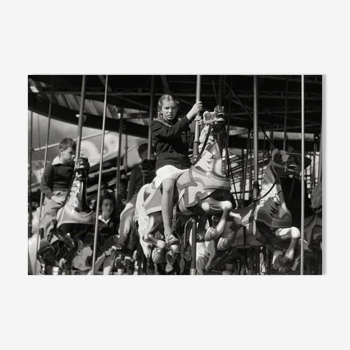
x=204, y=145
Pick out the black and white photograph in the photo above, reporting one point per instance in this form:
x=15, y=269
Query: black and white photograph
x=175, y=174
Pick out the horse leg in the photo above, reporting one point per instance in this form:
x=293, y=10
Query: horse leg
x=154, y=225
x=225, y=243
x=210, y=206
x=293, y=234
x=33, y=247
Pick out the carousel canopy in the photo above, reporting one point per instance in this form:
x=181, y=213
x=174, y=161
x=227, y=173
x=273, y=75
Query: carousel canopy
x=279, y=102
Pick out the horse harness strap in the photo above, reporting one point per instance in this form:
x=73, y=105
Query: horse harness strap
x=173, y=226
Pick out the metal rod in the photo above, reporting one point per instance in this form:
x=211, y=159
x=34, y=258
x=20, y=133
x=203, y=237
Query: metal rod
x=30, y=148
x=119, y=159
x=196, y=128
x=100, y=176
x=302, y=176
x=256, y=139
x=151, y=107
x=81, y=120
x=195, y=156
x=227, y=158
x=193, y=270
x=313, y=175
x=245, y=169
x=45, y=160
x=320, y=160
x=245, y=108
x=126, y=154
x=285, y=116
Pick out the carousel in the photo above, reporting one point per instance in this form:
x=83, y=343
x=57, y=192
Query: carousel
x=250, y=204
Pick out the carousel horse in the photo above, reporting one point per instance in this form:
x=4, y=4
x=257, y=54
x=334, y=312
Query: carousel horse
x=69, y=232
x=201, y=191
x=272, y=219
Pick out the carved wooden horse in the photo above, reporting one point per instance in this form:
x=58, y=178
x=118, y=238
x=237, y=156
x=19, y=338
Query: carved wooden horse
x=272, y=220
x=202, y=190
x=68, y=233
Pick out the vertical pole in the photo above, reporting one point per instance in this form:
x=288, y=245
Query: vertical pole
x=285, y=116
x=126, y=154
x=193, y=270
x=302, y=175
x=245, y=173
x=30, y=153
x=256, y=139
x=320, y=160
x=313, y=175
x=100, y=176
x=151, y=107
x=119, y=159
x=196, y=128
x=81, y=119
x=221, y=136
x=47, y=145
x=41, y=232
x=227, y=160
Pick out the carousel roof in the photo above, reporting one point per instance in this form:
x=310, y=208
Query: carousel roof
x=279, y=96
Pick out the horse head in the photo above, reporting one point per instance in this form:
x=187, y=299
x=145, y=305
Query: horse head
x=215, y=119
x=284, y=163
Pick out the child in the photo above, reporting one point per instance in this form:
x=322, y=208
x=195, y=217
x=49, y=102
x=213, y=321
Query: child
x=107, y=233
x=171, y=145
x=56, y=181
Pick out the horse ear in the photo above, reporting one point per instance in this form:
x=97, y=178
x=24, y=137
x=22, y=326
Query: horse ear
x=274, y=152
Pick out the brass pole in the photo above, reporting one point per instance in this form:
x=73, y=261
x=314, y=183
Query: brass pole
x=41, y=232
x=285, y=116
x=100, y=176
x=81, y=120
x=30, y=154
x=193, y=270
x=151, y=107
x=119, y=159
x=196, y=128
x=302, y=175
x=256, y=139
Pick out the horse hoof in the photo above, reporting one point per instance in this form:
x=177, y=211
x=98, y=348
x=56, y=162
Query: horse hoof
x=211, y=234
x=170, y=258
x=161, y=244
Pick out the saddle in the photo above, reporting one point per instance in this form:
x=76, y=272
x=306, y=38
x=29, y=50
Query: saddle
x=193, y=186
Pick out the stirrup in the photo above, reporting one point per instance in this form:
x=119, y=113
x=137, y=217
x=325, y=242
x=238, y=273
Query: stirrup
x=171, y=240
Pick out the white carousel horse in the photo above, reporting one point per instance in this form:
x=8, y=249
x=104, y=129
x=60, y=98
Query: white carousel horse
x=202, y=190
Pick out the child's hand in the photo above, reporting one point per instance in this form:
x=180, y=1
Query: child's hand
x=197, y=107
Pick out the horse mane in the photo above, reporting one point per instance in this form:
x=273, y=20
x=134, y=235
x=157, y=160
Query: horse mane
x=316, y=196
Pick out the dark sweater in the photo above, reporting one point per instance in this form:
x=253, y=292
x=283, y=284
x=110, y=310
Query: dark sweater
x=56, y=177
x=135, y=182
x=171, y=143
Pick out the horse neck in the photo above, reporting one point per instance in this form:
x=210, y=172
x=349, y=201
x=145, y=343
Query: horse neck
x=78, y=196
x=270, y=180
x=214, y=149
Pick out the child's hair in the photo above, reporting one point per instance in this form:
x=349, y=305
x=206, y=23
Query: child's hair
x=165, y=98
x=144, y=147
x=108, y=195
x=67, y=142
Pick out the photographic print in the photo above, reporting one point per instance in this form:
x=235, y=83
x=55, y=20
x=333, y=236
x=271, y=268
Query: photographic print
x=175, y=175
